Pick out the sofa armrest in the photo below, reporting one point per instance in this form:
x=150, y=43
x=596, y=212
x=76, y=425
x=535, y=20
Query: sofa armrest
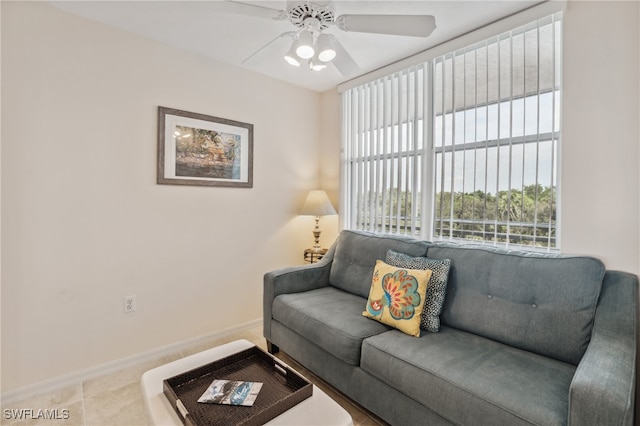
x=294, y=279
x=603, y=388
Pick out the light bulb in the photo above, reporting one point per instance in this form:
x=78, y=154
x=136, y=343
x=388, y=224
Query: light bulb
x=326, y=52
x=304, y=45
x=292, y=60
x=291, y=57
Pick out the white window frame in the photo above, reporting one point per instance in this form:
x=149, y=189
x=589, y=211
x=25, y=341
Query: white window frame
x=428, y=163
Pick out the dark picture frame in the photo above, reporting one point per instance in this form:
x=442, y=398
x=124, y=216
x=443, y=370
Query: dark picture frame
x=202, y=150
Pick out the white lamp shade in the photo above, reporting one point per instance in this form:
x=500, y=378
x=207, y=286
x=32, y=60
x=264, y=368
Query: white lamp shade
x=317, y=204
x=326, y=52
x=304, y=45
x=317, y=65
x=291, y=57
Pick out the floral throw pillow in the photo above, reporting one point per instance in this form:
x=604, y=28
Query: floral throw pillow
x=436, y=290
x=397, y=296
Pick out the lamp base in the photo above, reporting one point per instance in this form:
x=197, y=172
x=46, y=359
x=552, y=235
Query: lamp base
x=316, y=236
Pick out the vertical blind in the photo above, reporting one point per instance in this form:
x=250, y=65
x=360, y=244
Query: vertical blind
x=463, y=146
x=496, y=133
x=384, y=139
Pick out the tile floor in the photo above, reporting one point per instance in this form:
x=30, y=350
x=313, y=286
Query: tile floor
x=116, y=399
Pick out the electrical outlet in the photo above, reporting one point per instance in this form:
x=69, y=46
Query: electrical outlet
x=129, y=304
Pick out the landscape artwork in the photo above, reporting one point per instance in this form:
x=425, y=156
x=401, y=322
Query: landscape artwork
x=197, y=149
x=207, y=153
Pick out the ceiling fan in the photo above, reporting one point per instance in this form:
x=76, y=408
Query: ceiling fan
x=319, y=48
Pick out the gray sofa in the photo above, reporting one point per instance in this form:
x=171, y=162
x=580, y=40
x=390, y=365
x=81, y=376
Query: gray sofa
x=525, y=338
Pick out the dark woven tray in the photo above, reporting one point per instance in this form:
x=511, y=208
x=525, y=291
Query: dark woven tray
x=282, y=389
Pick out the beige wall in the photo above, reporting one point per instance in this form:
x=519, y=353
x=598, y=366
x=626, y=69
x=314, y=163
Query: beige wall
x=84, y=223
x=329, y=151
x=600, y=146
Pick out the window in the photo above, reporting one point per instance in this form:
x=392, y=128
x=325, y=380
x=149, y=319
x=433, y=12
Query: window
x=461, y=147
x=385, y=153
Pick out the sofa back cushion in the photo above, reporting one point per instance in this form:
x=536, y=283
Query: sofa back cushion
x=541, y=303
x=355, y=258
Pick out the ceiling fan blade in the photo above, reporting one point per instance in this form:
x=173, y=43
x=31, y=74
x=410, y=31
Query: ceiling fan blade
x=240, y=8
x=404, y=25
x=343, y=61
x=254, y=54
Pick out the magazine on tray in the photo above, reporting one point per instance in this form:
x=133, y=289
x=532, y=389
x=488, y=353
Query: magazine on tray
x=231, y=392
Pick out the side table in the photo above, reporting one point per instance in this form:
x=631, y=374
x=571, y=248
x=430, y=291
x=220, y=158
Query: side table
x=314, y=255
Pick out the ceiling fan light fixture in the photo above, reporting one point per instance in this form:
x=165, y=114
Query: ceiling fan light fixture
x=304, y=45
x=326, y=50
x=291, y=57
x=317, y=66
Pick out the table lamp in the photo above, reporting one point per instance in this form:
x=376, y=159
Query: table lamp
x=317, y=204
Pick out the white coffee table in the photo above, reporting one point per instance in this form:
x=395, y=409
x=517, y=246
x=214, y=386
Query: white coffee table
x=319, y=409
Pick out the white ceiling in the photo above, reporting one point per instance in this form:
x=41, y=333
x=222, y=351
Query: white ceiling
x=205, y=28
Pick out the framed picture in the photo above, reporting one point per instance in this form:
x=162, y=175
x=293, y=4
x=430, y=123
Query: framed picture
x=198, y=149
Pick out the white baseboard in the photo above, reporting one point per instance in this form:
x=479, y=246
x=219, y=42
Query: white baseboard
x=75, y=377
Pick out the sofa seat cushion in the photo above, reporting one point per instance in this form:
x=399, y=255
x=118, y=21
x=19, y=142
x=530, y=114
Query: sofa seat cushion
x=329, y=317
x=467, y=378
